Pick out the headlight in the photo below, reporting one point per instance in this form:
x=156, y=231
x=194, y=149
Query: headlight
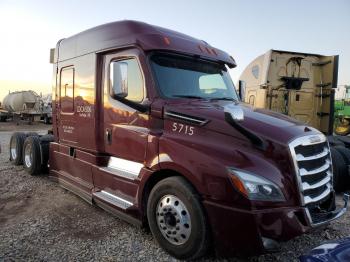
x=255, y=187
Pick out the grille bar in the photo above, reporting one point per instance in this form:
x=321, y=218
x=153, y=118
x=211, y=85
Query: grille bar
x=307, y=186
x=304, y=172
x=325, y=193
x=325, y=152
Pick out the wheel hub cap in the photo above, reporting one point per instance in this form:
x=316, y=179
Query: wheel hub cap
x=173, y=219
x=13, y=149
x=28, y=156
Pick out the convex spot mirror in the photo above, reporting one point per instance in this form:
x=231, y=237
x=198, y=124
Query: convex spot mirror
x=119, y=79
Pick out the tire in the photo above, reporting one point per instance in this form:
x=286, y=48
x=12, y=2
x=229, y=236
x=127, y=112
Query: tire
x=334, y=141
x=340, y=175
x=16, y=147
x=3, y=118
x=345, y=153
x=32, y=134
x=47, y=138
x=191, y=240
x=32, y=155
x=345, y=140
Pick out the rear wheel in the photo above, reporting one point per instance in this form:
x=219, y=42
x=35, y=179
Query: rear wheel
x=345, y=153
x=334, y=141
x=16, y=147
x=177, y=220
x=31, y=155
x=32, y=134
x=340, y=176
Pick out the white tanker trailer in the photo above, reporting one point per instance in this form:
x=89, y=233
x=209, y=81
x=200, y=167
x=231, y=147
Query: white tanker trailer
x=23, y=105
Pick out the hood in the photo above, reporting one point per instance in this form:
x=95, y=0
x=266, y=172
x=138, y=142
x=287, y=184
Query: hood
x=263, y=123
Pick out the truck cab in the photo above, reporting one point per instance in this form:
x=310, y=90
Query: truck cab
x=300, y=85
x=147, y=125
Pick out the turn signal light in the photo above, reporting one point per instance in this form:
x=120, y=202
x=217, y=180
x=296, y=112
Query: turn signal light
x=166, y=40
x=239, y=185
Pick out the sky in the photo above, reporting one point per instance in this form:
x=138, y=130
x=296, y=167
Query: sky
x=244, y=29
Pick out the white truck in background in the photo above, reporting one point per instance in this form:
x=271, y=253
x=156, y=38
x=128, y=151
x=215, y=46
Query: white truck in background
x=301, y=86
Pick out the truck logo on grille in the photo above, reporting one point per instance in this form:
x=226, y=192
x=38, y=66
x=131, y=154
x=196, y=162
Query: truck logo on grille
x=314, y=139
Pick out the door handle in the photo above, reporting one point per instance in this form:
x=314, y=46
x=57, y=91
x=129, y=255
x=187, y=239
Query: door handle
x=109, y=136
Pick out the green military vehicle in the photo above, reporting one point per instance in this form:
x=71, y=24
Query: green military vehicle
x=342, y=114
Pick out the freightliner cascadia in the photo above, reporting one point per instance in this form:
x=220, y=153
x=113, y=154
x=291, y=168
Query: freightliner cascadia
x=147, y=125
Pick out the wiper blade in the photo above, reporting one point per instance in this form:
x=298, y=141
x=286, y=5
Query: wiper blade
x=189, y=96
x=223, y=98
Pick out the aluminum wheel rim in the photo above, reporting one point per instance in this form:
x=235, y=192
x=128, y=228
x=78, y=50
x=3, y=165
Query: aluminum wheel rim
x=173, y=219
x=13, y=146
x=28, y=156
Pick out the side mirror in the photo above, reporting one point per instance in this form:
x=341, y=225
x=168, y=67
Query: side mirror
x=241, y=89
x=119, y=79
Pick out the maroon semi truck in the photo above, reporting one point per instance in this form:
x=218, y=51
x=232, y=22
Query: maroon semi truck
x=147, y=125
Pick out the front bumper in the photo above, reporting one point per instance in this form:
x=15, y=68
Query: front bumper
x=326, y=217
x=237, y=231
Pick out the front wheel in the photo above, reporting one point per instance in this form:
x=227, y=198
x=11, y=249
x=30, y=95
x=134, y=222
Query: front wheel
x=177, y=220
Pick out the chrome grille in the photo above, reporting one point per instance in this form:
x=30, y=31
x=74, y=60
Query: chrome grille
x=313, y=165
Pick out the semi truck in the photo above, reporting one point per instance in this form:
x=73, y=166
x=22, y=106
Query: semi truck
x=148, y=126
x=301, y=86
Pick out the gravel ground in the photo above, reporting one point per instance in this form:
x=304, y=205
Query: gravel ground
x=41, y=221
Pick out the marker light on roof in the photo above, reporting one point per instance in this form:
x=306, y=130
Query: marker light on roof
x=208, y=50
x=200, y=48
x=166, y=40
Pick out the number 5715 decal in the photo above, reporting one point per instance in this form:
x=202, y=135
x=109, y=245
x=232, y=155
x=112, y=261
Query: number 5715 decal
x=181, y=128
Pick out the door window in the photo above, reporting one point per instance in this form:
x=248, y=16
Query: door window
x=67, y=90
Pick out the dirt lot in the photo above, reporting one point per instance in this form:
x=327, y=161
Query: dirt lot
x=41, y=221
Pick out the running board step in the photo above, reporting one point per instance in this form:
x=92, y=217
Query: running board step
x=113, y=199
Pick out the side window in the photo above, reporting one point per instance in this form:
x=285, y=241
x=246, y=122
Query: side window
x=255, y=71
x=126, y=80
x=67, y=90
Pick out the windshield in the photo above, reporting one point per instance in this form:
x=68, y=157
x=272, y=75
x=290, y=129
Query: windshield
x=180, y=76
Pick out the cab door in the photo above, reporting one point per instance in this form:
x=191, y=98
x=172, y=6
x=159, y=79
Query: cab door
x=125, y=126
